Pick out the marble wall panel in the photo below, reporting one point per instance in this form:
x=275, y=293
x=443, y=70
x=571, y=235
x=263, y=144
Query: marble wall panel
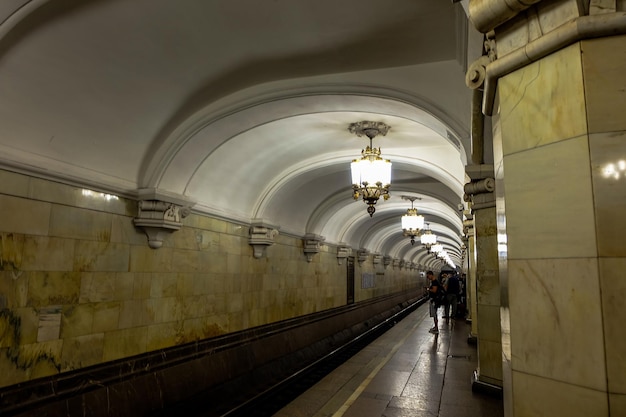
x=163, y=285
x=489, y=322
x=200, y=328
x=43, y=359
x=53, y=288
x=556, y=320
x=206, y=223
x=207, y=240
x=604, y=65
x=185, y=239
x=13, y=289
x=549, y=202
x=53, y=192
x=543, y=102
x=617, y=404
x=203, y=284
x=184, y=284
x=215, y=264
x=552, y=14
x=124, y=231
x=9, y=329
x=101, y=256
x=47, y=254
x=197, y=306
x=613, y=296
x=11, y=251
x=125, y=342
x=76, y=223
x=490, y=361
x=77, y=321
x=28, y=327
x=13, y=184
x=162, y=310
x=106, y=286
x=544, y=397
x=58, y=193
x=19, y=215
x=82, y=351
x=145, y=259
x=230, y=244
x=11, y=374
x=608, y=169
x=542, y=18
x=106, y=316
x=163, y=335
x=133, y=313
x=142, y=283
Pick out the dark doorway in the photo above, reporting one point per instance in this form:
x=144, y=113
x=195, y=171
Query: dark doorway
x=350, y=279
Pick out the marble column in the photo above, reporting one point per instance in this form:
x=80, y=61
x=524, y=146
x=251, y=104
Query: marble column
x=557, y=88
x=480, y=194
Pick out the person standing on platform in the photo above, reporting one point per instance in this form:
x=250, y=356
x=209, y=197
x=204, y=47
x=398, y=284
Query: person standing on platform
x=452, y=297
x=434, y=289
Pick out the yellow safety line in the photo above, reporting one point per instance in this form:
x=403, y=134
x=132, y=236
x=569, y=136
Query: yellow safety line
x=365, y=383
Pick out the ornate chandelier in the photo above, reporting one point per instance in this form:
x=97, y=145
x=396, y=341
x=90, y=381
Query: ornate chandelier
x=428, y=238
x=412, y=223
x=371, y=175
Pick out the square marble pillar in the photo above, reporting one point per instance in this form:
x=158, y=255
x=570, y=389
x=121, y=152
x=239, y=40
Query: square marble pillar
x=562, y=124
x=488, y=297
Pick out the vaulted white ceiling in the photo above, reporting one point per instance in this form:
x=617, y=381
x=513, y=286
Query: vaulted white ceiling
x=242, y=107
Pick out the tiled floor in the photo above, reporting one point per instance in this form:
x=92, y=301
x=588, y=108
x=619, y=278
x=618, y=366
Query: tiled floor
x=405, y=372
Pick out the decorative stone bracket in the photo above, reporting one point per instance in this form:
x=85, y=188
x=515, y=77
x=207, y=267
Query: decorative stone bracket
x=159, y=218
x=362, y=255
x=312, y=245
x=386, y=261
x=377, y=258
x=261, y=236
x=480, y=193
x=395, y=263
x=343, y=251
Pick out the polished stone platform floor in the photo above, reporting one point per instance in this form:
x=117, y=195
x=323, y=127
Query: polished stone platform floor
x=405, y=372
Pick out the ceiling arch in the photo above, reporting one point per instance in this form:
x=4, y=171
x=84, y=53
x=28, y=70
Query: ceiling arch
x=171, y=99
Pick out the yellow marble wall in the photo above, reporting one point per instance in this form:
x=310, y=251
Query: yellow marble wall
x=604, y=66
x=562, y=122
x=79, y=284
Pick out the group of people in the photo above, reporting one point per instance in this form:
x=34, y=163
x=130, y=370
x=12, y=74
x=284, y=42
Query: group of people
x=445, y=291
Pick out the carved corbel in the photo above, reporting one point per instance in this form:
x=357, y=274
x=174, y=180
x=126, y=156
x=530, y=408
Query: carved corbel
x=402, y=263
x=261, y=236
x=343, y=251
x=158, y=219
x=377, y=258
x=362, y=255
x=480, y=193
x=386, y=261
x=312, y=245
x=395, y=263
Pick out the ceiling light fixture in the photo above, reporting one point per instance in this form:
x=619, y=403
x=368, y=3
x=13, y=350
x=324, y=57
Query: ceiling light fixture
x=412, y=223
x=428, y=238
x=371, y=175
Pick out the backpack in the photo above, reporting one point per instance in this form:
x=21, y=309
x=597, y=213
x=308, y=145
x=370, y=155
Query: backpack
x=440, y=296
